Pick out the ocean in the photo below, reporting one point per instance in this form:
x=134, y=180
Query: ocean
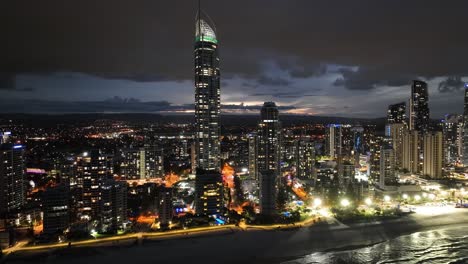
x=431, y=247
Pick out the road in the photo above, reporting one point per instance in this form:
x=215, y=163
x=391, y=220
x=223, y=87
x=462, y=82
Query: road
x=21, y=246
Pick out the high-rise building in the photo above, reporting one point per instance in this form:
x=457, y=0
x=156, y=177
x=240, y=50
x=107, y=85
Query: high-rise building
x=113, y=205
x=12, y=193
x=142, y=163
x=56, y=208
x=465, y=129
x=419, y=107
x=410, y=152
x=269, y=151
x=207, y=96
x=433, y=154
x=334, y=138
x=396, y=113
x=208, y=181
x=305, y=158
x=165, y=208
x=269, y=138
x=387, y=166
x=453, y=138
x=208, y=192
x=253, y=156
x=92, y=169
x=268, y=192
x=395, y=132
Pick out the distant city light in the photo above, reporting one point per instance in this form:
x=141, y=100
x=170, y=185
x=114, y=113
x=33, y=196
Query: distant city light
x=368, y=201
x=405, y=196
x=387, y=198
x=317, y=202
x=85, y=154
x=345, y=202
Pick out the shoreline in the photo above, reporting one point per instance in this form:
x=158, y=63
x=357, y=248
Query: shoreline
x=252, y=246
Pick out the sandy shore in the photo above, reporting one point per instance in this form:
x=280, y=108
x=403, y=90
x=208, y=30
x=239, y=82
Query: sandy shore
x=253, y=246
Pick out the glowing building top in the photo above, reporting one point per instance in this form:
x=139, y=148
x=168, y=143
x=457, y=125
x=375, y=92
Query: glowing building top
x=204, y=32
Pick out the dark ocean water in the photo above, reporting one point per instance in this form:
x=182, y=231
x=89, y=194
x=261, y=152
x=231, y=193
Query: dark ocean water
x=435, y=246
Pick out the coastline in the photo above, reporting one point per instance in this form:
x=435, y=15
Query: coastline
x=251, y=246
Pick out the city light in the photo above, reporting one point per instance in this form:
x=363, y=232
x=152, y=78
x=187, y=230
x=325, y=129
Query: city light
x=432, y=196
x=387, y=198
x=317, y=202
x=417, y=197
x=344, y=202
x=405, y=196
x=424, y=195
x=368, y=201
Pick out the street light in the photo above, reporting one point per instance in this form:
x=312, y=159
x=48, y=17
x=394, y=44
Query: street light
x=417, y=197
x=317, y=202
x=344, y=202
x=405, y=196
x=368, y=201
x=387, y=198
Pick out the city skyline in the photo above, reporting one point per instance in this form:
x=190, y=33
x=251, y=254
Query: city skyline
x=308, y=71
x=202, y=178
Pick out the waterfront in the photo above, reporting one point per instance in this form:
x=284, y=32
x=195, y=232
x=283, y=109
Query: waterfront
x=329, y=242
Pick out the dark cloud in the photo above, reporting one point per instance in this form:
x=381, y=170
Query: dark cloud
x=367, y=78
x=299, y=94
x=152, y=40
x=114, y=104
x=451, y=84
x=273, y=81
x=7, y=81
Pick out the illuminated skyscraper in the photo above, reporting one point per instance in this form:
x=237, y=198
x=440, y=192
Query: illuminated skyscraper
x=208, y=181
x=410, y=151
x=419, y=107
x=12, y=193
x=207, y=97
x=396, y=113
x=269, y=142
x=92, y=169
x=387, y=165
x=334, y=145
x=433, y=155
x=453, y=138
x=465, y=129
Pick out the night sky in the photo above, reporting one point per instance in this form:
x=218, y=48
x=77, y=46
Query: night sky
x=328, y=58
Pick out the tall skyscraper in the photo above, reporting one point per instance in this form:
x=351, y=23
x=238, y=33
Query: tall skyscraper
x=269, y=142
x=207, y=96
x=395, y=132
x=253, y=156
x=112, y=205
x=387, y=165
x=410, y=152
x=208, y=180
x=269, y=138
x=92, y=169
x=465, y=128
x=304, y=157
x=165, y=208
x=419, y=107
x=334, y=144
x=433, y=155
x=396, y=113
x=453, y=138
x=12, y=193
x=56, y=208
